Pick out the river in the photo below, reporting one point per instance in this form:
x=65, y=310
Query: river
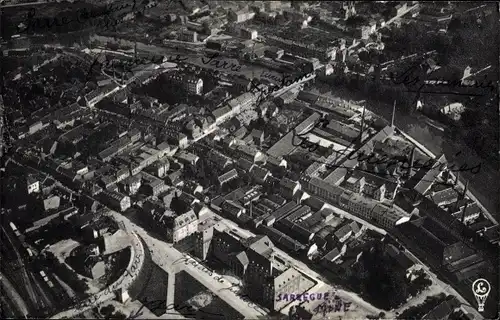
x=484, y=185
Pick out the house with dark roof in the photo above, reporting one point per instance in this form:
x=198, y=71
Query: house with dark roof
x=356, y=230
x=232, y=208
x=425, y=177
x=325, y=232
x=333, y=255
x=250, y=153
x=282, y=239
x=273, y=162
x=259, y=174
x=116, y=200
x=401, y=258
x=280, y=213
x=240, y=133
x=175, y=177
x=218, y=159
x=244, y=164
x=443, y=310
x=314, y=202
x=343, y=233
x=300, y=233
x=288, y=187
x=312, y=221
x=257, y=136
x=434, y=240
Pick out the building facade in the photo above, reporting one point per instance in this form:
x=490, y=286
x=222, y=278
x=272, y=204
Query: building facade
x=191, y=84
x=181, y=226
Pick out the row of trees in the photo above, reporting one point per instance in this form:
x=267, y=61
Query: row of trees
x=418, y=311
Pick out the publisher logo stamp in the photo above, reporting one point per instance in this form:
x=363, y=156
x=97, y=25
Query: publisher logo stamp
x=481, y=288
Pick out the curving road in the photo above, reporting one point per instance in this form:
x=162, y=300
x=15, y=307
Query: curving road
x=322, y=282
x=169, y=258
x=125, y=280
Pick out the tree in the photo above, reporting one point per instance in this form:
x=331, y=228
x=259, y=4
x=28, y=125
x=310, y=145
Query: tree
x=364, y=56
x=380, y=280
x=454, y=25
x=107, y=310
x=355, y=21
x=117, y=315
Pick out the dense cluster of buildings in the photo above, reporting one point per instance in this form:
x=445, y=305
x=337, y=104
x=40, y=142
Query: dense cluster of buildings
x=228, y=143
x=253, y=260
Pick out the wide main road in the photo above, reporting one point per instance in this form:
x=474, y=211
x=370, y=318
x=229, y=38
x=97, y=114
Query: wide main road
x=168, y=258
x=302, y=267
x=347, y=295
x=134, y=266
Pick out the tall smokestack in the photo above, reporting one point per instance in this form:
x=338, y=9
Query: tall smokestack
x=465, y=189
x=463, y=213
x=412, y=160
x=461, y=196
x=251, y=209
x=362, y=125
x=393, y=112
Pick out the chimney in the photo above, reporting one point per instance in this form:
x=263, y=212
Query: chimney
x=465, y=189
x=462, y=196
x=412, y=160
x=362, y=125
x=393, y=112
x=463, y=213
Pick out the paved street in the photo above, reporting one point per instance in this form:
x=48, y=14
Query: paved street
x=347, y=295
x=124, y=281
x=323, y=283
x=169, y=258
x=446, y=288
x=302, y=267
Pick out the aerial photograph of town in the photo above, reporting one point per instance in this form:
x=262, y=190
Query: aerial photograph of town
x=202, y=159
